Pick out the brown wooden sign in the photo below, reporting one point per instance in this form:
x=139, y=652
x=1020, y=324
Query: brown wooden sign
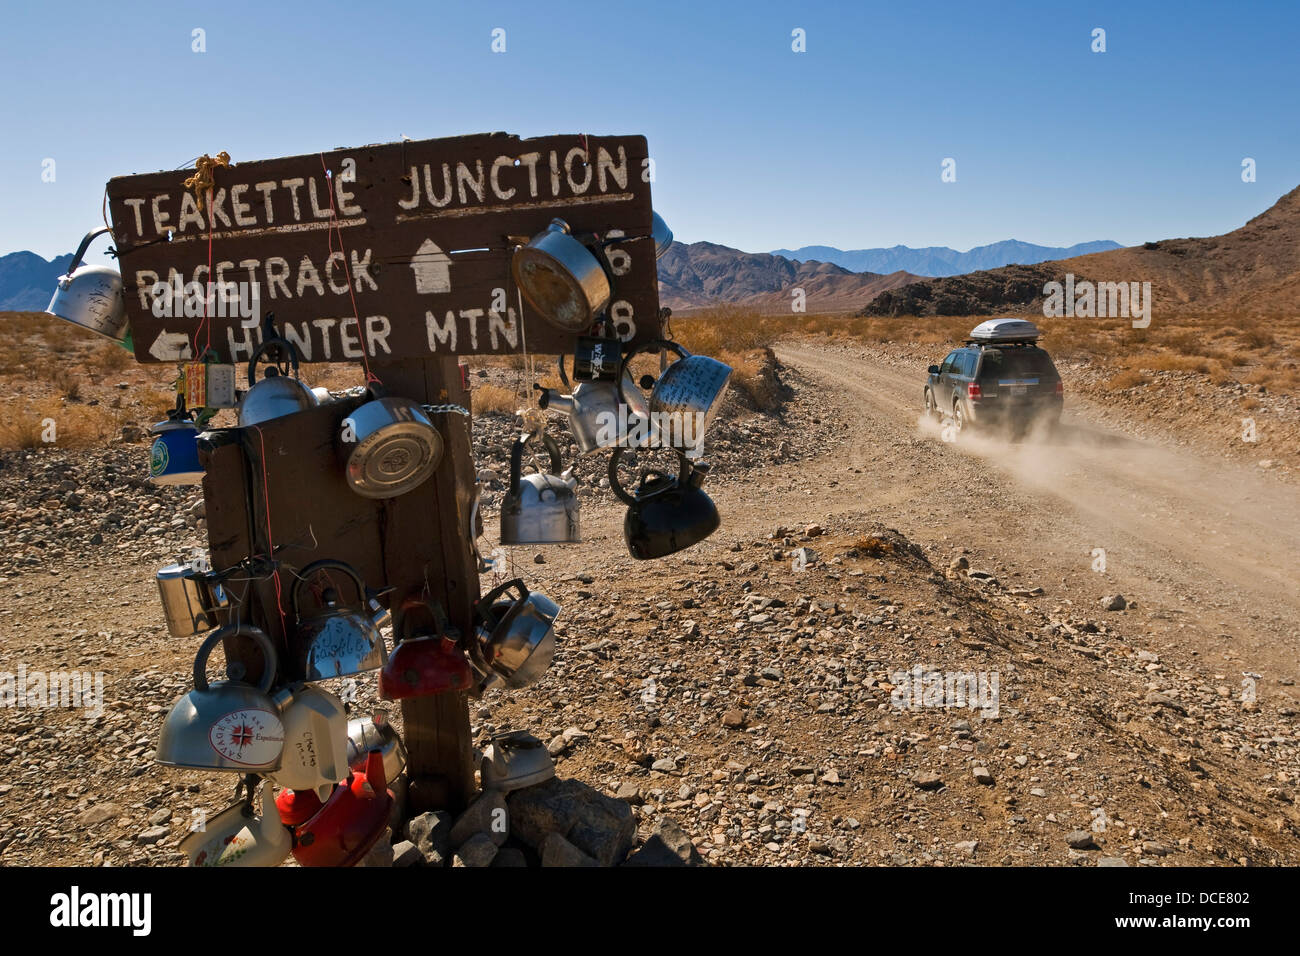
x=396, y=251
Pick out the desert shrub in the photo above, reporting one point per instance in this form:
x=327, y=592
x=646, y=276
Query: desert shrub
x=489, y=399
x=1129, y=378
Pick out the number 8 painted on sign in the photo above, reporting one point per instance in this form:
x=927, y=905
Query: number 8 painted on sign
x=620, y=314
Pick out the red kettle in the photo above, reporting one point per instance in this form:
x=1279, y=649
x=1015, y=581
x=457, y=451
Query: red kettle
x=424, y=663
x=297, y=806
x=350, y=822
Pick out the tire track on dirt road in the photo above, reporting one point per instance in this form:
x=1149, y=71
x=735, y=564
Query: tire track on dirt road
x=1214, y=544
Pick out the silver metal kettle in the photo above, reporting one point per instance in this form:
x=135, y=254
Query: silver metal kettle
x=514, y=642
x=91, y=296
x=276, y=394
x=230, y=725
x=600, y=413
x=540, y=508
x=685, y=399
x=340, y=641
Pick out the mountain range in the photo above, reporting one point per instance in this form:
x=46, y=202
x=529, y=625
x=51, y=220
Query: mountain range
x=940, y=260
x=1255, y=268
x=27, y=280
x=698, y=274
x=1252, y=270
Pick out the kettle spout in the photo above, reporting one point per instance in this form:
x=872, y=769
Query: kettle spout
x=550, y=398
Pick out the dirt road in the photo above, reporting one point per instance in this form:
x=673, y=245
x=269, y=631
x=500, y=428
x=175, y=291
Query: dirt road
x=1210, y=552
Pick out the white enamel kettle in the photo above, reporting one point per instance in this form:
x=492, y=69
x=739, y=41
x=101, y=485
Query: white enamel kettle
x=315, y=739
x=238, y=837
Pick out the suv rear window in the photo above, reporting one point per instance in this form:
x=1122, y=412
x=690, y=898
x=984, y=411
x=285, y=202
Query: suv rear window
x=1016, y=363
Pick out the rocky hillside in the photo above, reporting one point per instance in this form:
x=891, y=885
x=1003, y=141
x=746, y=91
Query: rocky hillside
x=1253, y=270
x=699, y=274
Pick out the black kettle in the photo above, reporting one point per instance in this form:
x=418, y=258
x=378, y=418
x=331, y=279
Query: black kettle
x=666, y=513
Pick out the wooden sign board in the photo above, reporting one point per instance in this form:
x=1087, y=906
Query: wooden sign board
x=401, y=249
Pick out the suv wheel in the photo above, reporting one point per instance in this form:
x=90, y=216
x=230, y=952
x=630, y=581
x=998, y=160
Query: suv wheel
x=931, y=409
x=958, y=418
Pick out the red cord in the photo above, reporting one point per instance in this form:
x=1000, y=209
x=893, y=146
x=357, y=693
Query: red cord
x=194, y=348
x=270, y=544
x=347, y=271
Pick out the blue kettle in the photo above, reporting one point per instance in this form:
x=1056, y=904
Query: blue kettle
x=174, y=455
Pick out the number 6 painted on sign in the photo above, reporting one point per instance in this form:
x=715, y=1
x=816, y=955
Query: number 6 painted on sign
x=620, y=314
x=620, y=262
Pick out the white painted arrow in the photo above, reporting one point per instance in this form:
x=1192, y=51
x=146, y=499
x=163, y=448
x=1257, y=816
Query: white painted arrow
x=170, y=346
x=432, y=268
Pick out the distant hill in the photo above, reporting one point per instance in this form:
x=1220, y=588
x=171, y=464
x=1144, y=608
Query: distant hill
x=1253, y=270
x=27, y=280
x=940, y=260
x=698, y=274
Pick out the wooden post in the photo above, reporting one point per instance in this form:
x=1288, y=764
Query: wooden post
x=281, y=484
x=427, y=546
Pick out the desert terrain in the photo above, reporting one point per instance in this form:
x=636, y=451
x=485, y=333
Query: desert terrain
x=746, y=689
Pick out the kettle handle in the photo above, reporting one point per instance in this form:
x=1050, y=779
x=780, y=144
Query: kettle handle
x=274, y=340
x=269, y=660
x=683, y=474
x=517, y=455
x=436, y=614
x=85, y=244
x=306, y=573
x=483, y=606
x=653, y=345
x=563, y=377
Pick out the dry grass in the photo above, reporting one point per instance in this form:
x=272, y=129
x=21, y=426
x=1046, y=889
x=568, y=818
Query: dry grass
x=870, y=546
x=495, y=398
x=1225, y=347
x=1129, y=378
x=50, y=424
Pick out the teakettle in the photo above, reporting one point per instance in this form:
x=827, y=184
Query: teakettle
x=515, y=641
x=561, y=278
x=389, y=445
x=376, y=733
x=91, y=296
x=237, y=837
x=514, y=760
x=193, y=601
x=685, y=398
x=662, y=235
x=666, y=513
x=352, y=819
x=315, y=739
x=339, y=641
x=540, y=508
x=276, y=394
x=229, y=725
x=174, y=454
x=601, y=413
x=427, y=661
x=298, y=806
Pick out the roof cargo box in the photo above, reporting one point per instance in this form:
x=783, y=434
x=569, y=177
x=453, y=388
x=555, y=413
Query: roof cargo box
x=1005, y=330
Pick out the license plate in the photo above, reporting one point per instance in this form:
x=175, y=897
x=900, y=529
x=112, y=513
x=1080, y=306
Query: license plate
x=1018, y=390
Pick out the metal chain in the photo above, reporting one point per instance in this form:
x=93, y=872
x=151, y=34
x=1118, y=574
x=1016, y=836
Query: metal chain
x=440, y=409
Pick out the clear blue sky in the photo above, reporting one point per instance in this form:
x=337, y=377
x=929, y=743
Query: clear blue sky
x=756, y=146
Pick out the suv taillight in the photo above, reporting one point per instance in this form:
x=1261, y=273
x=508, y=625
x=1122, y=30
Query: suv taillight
x=1060, y=387
x=973, y=391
